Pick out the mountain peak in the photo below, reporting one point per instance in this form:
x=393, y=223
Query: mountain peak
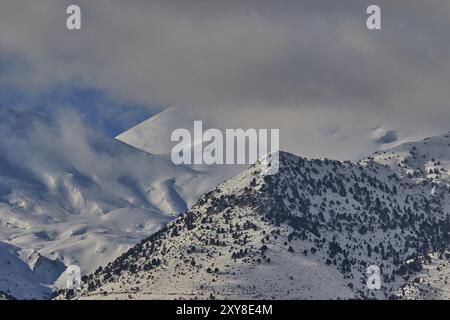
x=71, y=193
x=309, y=231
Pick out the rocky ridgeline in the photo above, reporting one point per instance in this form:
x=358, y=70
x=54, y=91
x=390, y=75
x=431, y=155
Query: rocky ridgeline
x=309, y=231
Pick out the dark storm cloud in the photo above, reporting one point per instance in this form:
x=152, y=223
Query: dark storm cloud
x=295, y=54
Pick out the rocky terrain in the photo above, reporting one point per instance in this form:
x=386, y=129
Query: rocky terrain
x=311, y=231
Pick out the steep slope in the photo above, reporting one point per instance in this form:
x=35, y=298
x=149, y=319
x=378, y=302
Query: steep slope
x=26, y=275
x=154, y=134
x=426, y=162
x=310, y=231
x=78, y=196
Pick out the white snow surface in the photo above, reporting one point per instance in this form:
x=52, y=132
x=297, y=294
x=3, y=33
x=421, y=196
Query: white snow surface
x=70, y=195
x=308, y=232
x=79, y=197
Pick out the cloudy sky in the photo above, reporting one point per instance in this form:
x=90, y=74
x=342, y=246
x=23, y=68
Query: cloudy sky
x=310, y=68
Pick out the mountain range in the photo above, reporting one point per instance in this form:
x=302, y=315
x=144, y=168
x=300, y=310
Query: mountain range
x=72, y=195
x=140, y=227
x=309, y=232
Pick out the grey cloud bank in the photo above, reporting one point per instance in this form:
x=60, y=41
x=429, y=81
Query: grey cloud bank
x=306, y=59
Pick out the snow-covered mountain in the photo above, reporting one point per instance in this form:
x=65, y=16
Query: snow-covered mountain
x=154, y=136
x=76, y=196
x=25, y=274
x=69, y=195
x=423, y=161
x=311, y=231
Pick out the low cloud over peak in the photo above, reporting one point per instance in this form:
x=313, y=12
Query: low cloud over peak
x=301, y=56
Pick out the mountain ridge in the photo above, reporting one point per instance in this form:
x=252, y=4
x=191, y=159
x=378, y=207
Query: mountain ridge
x=78, y=196
x=330, y=219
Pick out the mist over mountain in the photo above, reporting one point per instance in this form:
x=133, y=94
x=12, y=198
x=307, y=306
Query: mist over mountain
x=345, y=91
x=70, y=195
x=76, y=196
